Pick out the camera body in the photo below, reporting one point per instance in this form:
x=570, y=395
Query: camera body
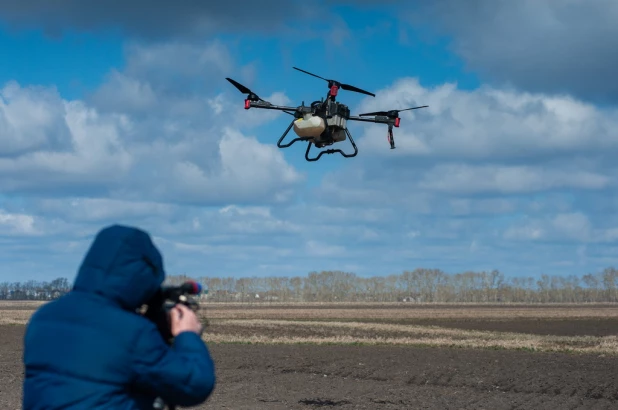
x=159, y=306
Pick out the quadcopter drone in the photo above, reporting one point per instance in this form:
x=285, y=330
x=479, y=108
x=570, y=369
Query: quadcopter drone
x=324, y=122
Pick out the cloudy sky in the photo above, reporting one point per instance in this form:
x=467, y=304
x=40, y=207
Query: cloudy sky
x=122, y=114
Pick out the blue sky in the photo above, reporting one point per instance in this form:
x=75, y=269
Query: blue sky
x=110, y=117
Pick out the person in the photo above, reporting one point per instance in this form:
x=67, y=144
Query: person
x=92, y=349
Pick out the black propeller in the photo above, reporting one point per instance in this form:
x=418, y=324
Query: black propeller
x=346, y=87
x=391, y=113
x=252, y=96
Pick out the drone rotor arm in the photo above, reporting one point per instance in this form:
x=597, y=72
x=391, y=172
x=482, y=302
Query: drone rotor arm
x=382, y=119
x=367, y=114
x=377, y=119
x=296, y=111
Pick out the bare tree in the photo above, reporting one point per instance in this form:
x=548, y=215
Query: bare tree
x=421, y=284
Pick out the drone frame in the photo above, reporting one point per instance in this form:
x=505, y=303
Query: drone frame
x=391, y=118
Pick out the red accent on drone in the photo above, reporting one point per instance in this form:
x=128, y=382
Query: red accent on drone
x=196, y=287
x=247, y=104
x=397, y=120
x=333, y=90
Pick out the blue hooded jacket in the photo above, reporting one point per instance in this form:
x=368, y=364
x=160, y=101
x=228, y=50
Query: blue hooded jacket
x=90, y=350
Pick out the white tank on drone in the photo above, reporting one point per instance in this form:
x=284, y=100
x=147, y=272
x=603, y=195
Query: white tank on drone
x=309, y=126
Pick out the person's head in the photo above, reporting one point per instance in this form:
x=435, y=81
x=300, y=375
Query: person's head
x=122, y=265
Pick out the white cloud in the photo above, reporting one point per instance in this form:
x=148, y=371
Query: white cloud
x=96, y=210
x=487, y=122
x=480, y=174
x=137, y=95
x=477, y=177
x=469, y=143
x=138, y=137
x=68, y=142
x=573, y=226
x=17, y=224
x=464, y=178
x=31, y=119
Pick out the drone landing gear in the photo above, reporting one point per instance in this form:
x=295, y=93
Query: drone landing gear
x=390, y=137
x=294, y=140
x=332, y=151
x=328, y=151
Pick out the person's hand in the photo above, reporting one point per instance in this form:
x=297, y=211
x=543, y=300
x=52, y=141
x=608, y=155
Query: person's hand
x=184, y=319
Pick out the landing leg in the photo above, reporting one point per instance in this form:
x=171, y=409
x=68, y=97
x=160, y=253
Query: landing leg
x=390, y=136
x=286, y=133
x=332, y=151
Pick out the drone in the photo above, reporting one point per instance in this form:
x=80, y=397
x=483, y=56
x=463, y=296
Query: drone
x=324, y=122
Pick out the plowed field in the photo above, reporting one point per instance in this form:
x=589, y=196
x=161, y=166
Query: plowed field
x=360, y=357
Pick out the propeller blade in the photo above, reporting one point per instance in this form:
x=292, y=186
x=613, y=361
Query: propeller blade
x=390, y=112
x=346, y=87
x=242, y=88
x=356, y=89
x=238, y=85
x=413, y=108
x=307, y=72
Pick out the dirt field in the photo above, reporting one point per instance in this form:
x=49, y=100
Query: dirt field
x=371, y=358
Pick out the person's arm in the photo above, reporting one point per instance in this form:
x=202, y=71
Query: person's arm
x=183, y=374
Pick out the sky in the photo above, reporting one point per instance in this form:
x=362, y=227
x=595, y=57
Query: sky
x=122, y=115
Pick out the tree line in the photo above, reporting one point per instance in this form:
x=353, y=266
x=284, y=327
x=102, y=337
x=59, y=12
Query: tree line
x=34, y=290
x=419, y=285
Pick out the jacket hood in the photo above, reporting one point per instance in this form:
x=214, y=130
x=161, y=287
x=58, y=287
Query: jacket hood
x=123, y=266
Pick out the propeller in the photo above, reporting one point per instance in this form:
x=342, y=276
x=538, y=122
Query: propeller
x=391, y=113
x=252, y=96
x=346, y=87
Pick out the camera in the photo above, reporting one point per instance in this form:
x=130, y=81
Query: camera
x=158, y=307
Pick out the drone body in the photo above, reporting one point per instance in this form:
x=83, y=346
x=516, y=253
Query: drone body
x=324, y=122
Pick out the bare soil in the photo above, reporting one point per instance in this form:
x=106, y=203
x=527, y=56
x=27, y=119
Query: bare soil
x=538, y=326
x=380, y=377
